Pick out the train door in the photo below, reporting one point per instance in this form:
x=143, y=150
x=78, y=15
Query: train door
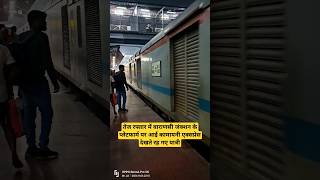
x=130, y=72
x=139, y=79
x=65, y=36
x=186, y=74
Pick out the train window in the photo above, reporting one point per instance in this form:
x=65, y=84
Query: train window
x=65, y=36
x=79, y=24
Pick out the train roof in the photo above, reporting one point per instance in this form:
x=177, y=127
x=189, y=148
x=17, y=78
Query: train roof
x=194, y=7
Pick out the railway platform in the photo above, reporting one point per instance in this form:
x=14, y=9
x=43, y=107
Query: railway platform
x=89, y=149
x=183, y=163
x=81, y=139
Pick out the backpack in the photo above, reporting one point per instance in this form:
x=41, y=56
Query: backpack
x=15, y=72
x=117, y=79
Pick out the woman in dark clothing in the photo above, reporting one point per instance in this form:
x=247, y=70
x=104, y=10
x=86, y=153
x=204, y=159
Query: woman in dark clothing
x=112, y=86
x=5, y=60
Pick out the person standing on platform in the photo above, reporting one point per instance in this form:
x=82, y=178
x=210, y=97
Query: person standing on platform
x=6, y=60
x=34, y=85
x=13, y=38
x=4, y=35
x=121, y=84
x=112, y=86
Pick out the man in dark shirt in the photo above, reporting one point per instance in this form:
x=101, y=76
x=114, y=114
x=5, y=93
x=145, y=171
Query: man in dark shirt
x=121, y=83
x=34, y=85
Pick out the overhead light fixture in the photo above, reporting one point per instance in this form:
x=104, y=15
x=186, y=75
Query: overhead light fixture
x=113, y=61
x=145, y=13
x=120, y=7
x=135, y=12
x=165, y=17
x=171, y=12
x=145, y=10
x=120, y=10
x=146, y=16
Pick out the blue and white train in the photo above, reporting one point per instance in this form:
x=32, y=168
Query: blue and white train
x=173, y=69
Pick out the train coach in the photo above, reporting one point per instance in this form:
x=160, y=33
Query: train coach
x=173, y=69
x=78, y=34
x=263, y=61
x=264, y=64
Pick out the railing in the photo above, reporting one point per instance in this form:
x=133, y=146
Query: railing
x=145, y=19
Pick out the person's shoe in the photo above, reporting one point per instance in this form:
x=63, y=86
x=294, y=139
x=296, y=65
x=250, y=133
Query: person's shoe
x=46, y=153
x=32, y=152
x=119, y=110
x=124, y=110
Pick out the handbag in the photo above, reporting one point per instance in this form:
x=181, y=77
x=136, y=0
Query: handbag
x=15, y=118
x=114, y=98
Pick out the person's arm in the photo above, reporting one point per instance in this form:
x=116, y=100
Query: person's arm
x=50, y=67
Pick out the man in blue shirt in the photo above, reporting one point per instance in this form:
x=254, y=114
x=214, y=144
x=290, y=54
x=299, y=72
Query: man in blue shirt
x=34, y=85
x=121, y=84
